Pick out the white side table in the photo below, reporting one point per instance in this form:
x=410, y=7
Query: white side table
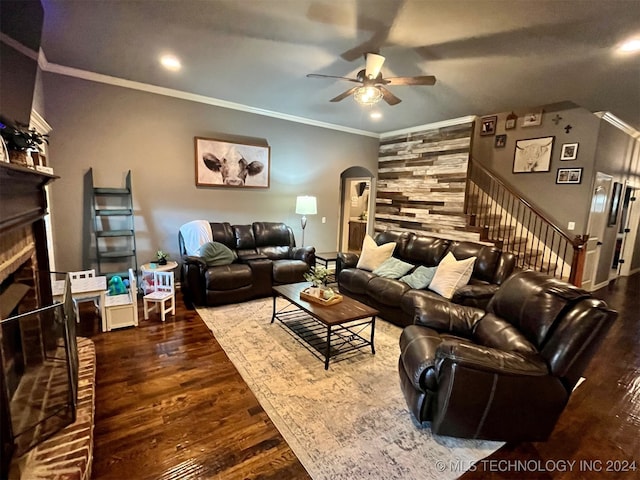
x=146, y=274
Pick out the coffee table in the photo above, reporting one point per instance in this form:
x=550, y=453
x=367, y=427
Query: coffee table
x=329, y=330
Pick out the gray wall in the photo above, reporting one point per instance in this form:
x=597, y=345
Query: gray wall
x=562, y=203
x=617, y=154
x=114, y=129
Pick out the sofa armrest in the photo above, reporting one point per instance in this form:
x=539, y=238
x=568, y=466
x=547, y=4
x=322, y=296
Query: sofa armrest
x=489, y=359
x=444, y=316
x=306, y=254
x=193, y=260
x=346, y=260
x=475, y=295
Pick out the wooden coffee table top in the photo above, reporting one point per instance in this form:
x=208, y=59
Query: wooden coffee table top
x=346, y=311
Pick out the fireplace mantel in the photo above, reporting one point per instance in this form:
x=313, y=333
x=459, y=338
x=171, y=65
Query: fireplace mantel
x=22, y=197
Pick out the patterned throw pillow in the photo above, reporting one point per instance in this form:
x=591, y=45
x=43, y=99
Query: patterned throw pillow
x=451, y=275
x=392, y=268
x=420, y=278
x=373, y=255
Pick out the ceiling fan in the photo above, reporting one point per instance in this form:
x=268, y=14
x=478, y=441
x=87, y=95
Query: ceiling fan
x=372, y=88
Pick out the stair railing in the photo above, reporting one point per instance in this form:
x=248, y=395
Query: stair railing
x=516, y=225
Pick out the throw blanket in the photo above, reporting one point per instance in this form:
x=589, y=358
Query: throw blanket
x=195, y=234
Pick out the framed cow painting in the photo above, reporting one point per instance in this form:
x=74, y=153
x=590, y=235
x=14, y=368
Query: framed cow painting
x=221, y=163
x=533, y=155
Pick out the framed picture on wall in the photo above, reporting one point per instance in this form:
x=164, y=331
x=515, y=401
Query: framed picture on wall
x=533, y=155
x=510, y=121
x=616, y=193
x=221, y=163
x=488, y=125
x=532, y=119
x=501, y=141
x=569, y=151
x=569, y=175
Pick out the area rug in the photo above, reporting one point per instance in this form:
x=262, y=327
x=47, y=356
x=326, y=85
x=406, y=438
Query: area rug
x=348, y=422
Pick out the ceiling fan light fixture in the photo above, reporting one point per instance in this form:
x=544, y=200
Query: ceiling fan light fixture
x=367, y=95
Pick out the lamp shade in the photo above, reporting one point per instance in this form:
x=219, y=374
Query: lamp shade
x=306, y=205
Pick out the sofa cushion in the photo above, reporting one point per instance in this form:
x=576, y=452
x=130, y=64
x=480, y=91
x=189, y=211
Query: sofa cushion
x=387, y=291
x=271, y=233
x=355, y=280
x=451, y=275
x=228, y=277
x=373, y=255
x=289, y=271
x=495, y=332
x=215, y=254
x=487, y=258
x=244, y=237
x=393, y=268
x=420, y=278
x=426, y=250
x=276, y=252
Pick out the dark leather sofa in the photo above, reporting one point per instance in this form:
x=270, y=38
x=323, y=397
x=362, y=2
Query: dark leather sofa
x=267, y=256
x=505, y=373
x=396, y=301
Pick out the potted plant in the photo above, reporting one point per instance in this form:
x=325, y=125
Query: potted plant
x=162, y=257
x=20, y=140
x=318, y=277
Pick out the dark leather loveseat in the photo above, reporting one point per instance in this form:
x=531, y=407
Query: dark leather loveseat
x=396, y=301
x=505, y=373
x=266, y=256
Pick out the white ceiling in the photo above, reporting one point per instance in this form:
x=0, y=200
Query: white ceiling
x=488, y=56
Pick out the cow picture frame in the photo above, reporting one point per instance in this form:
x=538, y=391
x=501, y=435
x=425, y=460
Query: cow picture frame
x=223, y=163
x=533, y=155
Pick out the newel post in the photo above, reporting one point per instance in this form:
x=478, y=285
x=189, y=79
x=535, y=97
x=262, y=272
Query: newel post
x=577, y=263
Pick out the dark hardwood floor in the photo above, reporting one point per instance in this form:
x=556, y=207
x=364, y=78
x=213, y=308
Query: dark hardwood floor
x=170, y=405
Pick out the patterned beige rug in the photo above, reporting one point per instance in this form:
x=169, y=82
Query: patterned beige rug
x=349, y=422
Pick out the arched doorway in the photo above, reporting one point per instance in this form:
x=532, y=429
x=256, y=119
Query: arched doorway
x=357, y=208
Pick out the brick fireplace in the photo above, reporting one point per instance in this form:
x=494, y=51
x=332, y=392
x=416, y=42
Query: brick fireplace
x=40, y=385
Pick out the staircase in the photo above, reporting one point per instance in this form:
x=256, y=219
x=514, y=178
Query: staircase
x=512, y=223
x=113, y=229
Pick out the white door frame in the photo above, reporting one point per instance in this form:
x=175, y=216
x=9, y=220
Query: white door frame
x=595, y=228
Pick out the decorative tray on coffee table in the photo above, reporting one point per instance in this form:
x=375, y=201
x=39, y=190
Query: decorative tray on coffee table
x=337, y=298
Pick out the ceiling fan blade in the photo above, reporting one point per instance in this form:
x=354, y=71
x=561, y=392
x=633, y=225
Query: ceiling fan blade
x=317, y=75
x=421, y=80
x=374, y=64
x=344, y=95
x=389, y=97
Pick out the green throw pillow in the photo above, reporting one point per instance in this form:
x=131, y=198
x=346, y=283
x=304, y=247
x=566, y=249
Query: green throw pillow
x=392, y=268
x=216, y=254
x=420, y=278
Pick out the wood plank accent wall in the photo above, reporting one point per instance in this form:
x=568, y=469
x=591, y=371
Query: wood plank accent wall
x=421, y=182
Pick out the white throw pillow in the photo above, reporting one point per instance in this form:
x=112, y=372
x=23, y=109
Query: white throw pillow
x=451, y=275
x=373, y=255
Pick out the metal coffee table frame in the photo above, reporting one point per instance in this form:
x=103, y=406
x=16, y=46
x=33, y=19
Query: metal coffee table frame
x=325, y=339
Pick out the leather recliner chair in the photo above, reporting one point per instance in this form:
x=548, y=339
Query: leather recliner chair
x=505, y=373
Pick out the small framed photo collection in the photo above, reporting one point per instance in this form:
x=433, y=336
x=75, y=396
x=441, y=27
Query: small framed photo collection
x=569, y=151
x=569, y=176
x=488, y=126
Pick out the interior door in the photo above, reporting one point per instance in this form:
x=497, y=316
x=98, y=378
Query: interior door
x=596, y=227
x=630, y=225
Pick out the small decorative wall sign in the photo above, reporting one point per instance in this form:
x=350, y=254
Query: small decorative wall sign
x=569, y=175
x=533, y=155
x=488, y=126
x=510, y=122
x=501, y=141
x=569, y=151
x=532, y=119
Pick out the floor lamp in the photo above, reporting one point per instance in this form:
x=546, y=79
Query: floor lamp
x=305, y=205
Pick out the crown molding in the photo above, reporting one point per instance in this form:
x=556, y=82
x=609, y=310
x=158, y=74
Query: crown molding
x=169, y=92
x=616, y=122
x=38, y=122
x=16, y=45
x=430, y=126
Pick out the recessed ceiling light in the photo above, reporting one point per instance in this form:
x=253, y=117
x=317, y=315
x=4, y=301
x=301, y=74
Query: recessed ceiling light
x=375, y=115
x=631, y=45
x=170, y=62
